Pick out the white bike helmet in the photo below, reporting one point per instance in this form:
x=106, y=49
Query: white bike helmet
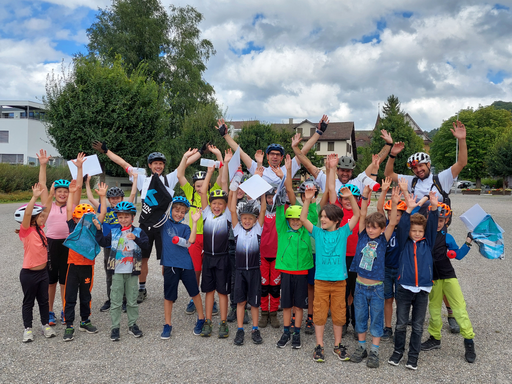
x=20, y=212
x=418, y=158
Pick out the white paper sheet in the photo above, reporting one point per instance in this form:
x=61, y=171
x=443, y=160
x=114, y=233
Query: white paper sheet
x=255, y=186
x=234, y=163
x=91, y=166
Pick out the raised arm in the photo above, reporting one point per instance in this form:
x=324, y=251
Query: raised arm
x=204, y=188
x=308, y=195
x=325, y=197
x=218, y=154
x=133, y=192
x=183, y=166
x=367, y=194
x=389, y=170
x=301, y=155
x=95, y=203
x=43, y=162
x=193, y=231
x=79, y=176
x=102, y=193
x=288, y=180
x=102, y=148
x=331, y=180
x=393, y=220
x=223, y=131
x=387, y=147
x=355, y=208
x=37, y=189
x=223, y=179
x=69, y=204
x=411, y=202
x=261, y=217
x=49, y=200
x=232, y=208
x=459, y=132
x=382, y=198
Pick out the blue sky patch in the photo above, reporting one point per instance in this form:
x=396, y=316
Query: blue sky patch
x=249, y=47
x=407, y=14
x=70, y=47
x=257, y=17
x=496, y=77
x=500, y=6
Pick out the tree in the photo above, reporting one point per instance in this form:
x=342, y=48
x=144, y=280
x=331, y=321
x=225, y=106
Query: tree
x=483, y=126
x=394, y=123
x=93, y=101
x=507, y=105
x=499, y=157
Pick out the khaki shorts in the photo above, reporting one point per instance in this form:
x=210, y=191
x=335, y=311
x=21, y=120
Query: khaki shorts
x=329, y=295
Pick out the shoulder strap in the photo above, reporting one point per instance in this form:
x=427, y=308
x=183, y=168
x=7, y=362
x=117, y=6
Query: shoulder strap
x=437, y=184
x=413, y=184
x=166, y=182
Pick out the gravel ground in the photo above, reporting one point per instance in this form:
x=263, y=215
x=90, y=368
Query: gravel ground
x=188, y=358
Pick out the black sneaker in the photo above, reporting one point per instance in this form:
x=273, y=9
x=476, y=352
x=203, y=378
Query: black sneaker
x=86, y=326
x=256, y=336
x=114, y=334
x=285, y=338
x=310, y=327
x=143, y=294
x=105, y=307
x=430, y=344
x=359, y=354
x=470, y=354
x=231, y=315
x=373, y=360
x=318, y=354
x=135, y=331
x=454, y=326
x=412, y=363
x=296, y=341
x=388, y=334
x=341, y=351
x=239, y=337
x=395, y=358
x=69, y=334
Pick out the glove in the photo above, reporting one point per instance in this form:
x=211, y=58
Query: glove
x=323, y=126
x=223, y=129
x=204, y=148
x=100, y=146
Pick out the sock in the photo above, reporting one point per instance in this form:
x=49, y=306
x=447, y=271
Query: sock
x=297, y=330
x=468, y=341
x=142, y=285
x=255, y=328
x=287, y=329
x=362, y=344
x=374, y=348
x=242, y=328
x=450, y=312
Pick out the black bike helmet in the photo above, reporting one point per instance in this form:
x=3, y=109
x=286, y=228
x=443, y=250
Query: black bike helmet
x=156, y=156
x=115, y=192
x=199, y=175
x=309, y=182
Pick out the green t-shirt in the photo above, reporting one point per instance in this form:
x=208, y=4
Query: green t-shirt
x=195, y=201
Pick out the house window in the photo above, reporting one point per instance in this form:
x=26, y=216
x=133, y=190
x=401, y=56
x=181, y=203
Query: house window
x=330, y=146
x=11, y=159
x=299, y=130
x=312, y=131
x=4, y=136
x=349, y=149
x=317, y=146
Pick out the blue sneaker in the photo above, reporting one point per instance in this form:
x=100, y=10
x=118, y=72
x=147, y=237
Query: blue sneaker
x=51, y=320
x=199, y=327
x=166, y=333
x=191, y=308
x=215, y=311
x=62, y=317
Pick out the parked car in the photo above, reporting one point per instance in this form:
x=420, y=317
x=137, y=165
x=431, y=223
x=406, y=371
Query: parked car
x=463, y=184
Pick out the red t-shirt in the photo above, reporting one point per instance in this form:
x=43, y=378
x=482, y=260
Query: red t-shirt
x=35, y=253
x=268, y=243
x=352, y=239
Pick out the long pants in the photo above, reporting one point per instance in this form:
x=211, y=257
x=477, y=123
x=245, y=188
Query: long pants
x=351, y=290
x=35, y=286
x=79, y=279
x=124, y=284
x=270, y=285
x=451, y=289
x=108, y=276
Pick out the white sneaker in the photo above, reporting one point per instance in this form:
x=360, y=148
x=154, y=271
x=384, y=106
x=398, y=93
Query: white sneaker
x=48, y=331
x=27, y=335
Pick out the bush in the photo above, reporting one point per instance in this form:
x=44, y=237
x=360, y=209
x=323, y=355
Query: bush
x=493, y=183
x=23, y=177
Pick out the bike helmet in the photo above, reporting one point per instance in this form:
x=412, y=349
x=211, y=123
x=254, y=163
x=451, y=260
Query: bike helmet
x=251, y=207
x=156, y=156
x=245, y=177
x=115, y=192
x=271, y=192
x=401, y=206
x=61, y=183
x=199, y=175
x=218, y=194
x=293, y=212
x=444, y=210
x=275, y=147
x=82, y=209
x=309, y=182
x=346, y=162
x=181, y=200
x=353, y=189
x=20, y=212
x=125, y=206
x=418, y=158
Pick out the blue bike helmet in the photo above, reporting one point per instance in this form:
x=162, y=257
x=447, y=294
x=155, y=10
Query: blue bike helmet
x=156, y=156
x=61, y=183
x=125, y=206
x=181, y=200
x=275, y=147
x=353, y=189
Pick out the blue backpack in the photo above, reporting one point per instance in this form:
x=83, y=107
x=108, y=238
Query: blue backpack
x=82, y=240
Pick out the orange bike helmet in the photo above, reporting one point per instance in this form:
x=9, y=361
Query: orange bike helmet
x=82, y=209
x=400, y=207
x=444, y=210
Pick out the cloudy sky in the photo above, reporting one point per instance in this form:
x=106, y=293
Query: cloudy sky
x=278, y=59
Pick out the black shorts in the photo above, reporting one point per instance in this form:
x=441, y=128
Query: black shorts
x=248, y=286
x=216, y=274
x=58, y=265
x=154, y=236
x=172, y=277
x=294, y=291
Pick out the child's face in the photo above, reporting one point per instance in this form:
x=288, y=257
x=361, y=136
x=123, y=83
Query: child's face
x=247, y=220
x=218, y=206
x=398, y=215
x=178, y=212
x=416, y=232
x=157, y=167
x=326, y=223
x=198, y=184
x=295, y=224
x=239, y=194
x=270, y=199
x=345, y=203
x=440, y=223
x=39, y=220
x=114, y=200
x=373, y=231
x=125, y=219
x=61, y=195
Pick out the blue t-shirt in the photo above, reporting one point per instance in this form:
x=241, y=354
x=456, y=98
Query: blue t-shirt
x=174, y=255
x=392, y=252
x=331, y=253
x=369, y=260
x=110, y=221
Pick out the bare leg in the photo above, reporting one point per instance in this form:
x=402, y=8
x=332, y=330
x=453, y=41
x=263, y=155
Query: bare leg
x=240, y=312
x=376, y=340
x=168, y=311
x=143, y=271
x=51, y=295
x=199, y=306
x=208, y=304
x=198, y=277
x=298, y=317
x=223, y=304
x=388, y=312
x=319, y=334
x=287, y=316
x=337, y=329
x=311, y=297
x=255, y=314
x=62, y=292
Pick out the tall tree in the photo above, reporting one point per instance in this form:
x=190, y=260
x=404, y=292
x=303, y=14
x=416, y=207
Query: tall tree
x=499, y=157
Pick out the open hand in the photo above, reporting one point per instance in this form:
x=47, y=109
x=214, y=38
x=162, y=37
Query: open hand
x=386, y=136
x=259, y=171
x=197, y=215
x=278, y=171
x=397, y=148
x=228, y=155
x=42, y=157
x=310, y=191
x=386, y=183
x=459, y=130
x=288, y=163
x=258, y=156
x=37, y=190
x=222, y=127
x=102, y=189
x=79, y=160
x=100, y=146
x=296, y=139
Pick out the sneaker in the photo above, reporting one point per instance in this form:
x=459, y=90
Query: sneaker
x=310, y=327
x=274, y=321
x=256, y=336
x=341, y=351
x=231, y=315
x=143, y=294
x=62, y=317
x=114, y=334
x=246, y=317
x=191, y=308
x=123, y=307
x=388, y=334
x=296, y=344
x=166, y=333
x=223, y=330
x=215, y=310
x=86, y=326
x=470, y=354
x=51, y=320
x=135, y=331
x=285, y=338
x=198, y=327
x=395, y=358
x=430, y=344
x=412, y=363
x=207, y=329
x=239, y=338
x=48, y=331
x=105, y=307
x=263, y=322
x=318, y=354
x=359, y=354
x=69, y=334
x=28, y=335
x=373, y=360
x=454, y=326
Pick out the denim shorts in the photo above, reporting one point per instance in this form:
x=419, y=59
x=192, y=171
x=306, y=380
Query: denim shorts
x=369, y=302
x=390, y=282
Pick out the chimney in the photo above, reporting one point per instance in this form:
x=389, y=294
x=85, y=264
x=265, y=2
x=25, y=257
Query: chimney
x=290, y=120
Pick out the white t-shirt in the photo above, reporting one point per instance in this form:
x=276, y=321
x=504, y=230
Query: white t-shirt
x=269, y=176
x=322, y=179
x=143, y=182
x=423, y=186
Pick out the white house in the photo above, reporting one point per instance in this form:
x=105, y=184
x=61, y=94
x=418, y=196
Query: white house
x=22, y=132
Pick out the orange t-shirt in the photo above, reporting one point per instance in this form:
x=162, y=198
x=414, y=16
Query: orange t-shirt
x=78, y=259
x=35, y=253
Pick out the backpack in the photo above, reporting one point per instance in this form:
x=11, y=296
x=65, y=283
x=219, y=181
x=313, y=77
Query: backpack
x=82, y=240
x=156, y=203
x=435, y=183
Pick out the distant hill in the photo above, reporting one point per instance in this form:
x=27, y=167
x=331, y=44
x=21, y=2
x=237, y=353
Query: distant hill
x=432, y=133
x=507, y=105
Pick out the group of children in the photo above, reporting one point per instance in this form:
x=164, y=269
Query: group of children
x=266, y=252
